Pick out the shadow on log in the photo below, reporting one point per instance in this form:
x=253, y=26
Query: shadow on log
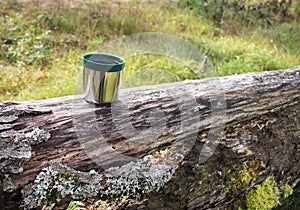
x=199, y=144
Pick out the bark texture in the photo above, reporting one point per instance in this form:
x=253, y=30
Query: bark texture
x=185, y=145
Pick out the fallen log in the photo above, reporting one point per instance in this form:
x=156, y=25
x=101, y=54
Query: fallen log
x=199, y=144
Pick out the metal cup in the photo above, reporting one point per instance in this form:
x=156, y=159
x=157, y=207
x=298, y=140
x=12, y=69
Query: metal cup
x=101, y=77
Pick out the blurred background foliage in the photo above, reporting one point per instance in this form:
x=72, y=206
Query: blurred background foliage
x=41, y=42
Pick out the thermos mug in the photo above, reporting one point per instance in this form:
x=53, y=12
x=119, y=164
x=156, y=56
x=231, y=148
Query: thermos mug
x=102, y=74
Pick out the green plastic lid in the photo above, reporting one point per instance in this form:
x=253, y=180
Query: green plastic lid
x=103, y=62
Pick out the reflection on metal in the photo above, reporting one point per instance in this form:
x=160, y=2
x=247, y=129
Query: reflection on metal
x=101, y=87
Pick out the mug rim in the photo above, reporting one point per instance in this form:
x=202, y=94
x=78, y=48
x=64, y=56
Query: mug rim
x=112, y=63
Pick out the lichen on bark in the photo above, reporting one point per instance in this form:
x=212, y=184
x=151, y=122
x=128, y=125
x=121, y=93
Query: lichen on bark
x=15, y=148
x=15, y=144
x=133, y=180
x=15, y=151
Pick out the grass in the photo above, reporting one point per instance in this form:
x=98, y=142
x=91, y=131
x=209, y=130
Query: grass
x=41, y=48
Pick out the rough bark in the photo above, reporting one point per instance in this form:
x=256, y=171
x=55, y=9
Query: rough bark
x=171, y=146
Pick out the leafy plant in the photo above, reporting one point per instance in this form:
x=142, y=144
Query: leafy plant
x=24, y=42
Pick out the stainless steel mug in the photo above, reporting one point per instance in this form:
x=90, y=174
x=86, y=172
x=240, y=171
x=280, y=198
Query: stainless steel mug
x=101, y=77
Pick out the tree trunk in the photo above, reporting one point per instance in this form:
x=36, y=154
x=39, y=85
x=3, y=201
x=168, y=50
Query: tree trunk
x=199, y=144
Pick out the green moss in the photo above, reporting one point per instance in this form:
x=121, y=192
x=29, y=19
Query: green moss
x=287, y=191
x=265, y=196
x=240, y=186
x=241, y=178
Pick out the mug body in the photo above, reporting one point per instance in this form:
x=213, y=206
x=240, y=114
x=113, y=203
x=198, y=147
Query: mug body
x=102, y=75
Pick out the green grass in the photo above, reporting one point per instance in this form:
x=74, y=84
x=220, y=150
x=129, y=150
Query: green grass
x=41, y=49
